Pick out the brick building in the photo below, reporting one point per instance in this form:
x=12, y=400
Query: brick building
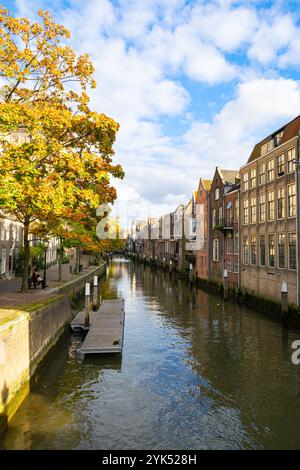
x=222, y=182
x=231, y=235
x=202, y=226
x=270, y=215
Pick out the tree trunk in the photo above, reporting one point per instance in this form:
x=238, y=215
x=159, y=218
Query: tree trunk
x=77, y=259
x=60, y=259
x=24, y=285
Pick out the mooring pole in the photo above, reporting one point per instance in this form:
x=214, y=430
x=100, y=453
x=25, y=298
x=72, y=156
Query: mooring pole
x=225, y=284
x=95, y=293
x=284, y=301
x=191, y=273
x=87, y=304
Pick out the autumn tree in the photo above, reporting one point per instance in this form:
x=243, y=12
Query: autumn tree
x=63, y=158
x=76, y=228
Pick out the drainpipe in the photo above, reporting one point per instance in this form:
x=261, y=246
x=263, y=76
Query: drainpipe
x=297, y=164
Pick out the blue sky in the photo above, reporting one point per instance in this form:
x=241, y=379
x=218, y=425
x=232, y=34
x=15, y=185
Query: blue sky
x=193, y=84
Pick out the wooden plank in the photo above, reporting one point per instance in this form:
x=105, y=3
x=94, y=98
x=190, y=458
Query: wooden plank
x=78, y=324
x=107, y=330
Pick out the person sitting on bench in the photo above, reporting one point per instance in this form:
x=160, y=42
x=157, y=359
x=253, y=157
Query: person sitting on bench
x=36, y=278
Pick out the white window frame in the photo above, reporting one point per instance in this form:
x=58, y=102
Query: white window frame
x=215, y=249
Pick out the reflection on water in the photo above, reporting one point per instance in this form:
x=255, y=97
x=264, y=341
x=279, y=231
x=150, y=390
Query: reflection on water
x=196, y=373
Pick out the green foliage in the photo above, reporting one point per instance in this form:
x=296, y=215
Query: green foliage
x=65, y=259
x=36, y=257
x=56, y=153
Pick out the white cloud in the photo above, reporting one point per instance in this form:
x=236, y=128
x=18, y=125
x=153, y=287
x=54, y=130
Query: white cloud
x=270, y=37
x=144, y=52
x=226, y=28
x=260, y=106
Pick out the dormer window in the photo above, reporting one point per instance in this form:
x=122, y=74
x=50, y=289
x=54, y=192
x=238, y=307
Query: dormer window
x=278, y=138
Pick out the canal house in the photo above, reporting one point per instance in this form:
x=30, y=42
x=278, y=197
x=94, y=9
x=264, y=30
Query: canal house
x=176, y=238
x=202, y=226
x=223, y=181
x=269, y=196
x=231, y=236
x=189, y=236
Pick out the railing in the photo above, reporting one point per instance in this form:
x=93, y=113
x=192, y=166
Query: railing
x=228, y=222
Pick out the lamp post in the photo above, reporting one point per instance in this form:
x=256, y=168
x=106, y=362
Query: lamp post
x=44, y=281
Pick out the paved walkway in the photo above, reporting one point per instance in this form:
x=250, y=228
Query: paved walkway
x=10, y=295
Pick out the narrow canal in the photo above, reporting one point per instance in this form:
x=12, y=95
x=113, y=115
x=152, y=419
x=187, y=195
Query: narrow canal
x=196, y=373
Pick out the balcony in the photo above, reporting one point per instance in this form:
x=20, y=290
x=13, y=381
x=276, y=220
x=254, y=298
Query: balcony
x=224, y=225
x=228, y=223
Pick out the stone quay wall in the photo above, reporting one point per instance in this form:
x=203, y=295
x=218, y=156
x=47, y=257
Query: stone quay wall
x=27, y=336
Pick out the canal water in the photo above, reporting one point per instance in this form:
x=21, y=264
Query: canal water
x=196, y=373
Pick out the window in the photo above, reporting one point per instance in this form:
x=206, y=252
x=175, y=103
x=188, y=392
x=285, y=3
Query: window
x=216, y=249
x=3, y=261
x=229, y=213
x=245, y=211
x=245, y=250
x=214, y=218
x=245, y=182
x=1, y=232
x=220, y=215
x=278, y=138
x=252, y=178
x=292, y=200
x=253, y=210
x=229, y=240
x=271, y=251
x=264, y=149
x=262, y=174
x=253, y=249
x=262, y=250
x=280, y=203
x=7, y=232
x=229, y=265
x=236, y=210
x=281, y=250
x=217, y=194
x=270, y=170
x=236, y=241
x=271, y=207
x=280, y=165
x=236, y=265
x=292, y=251
x=262, y=208
x=291, y=160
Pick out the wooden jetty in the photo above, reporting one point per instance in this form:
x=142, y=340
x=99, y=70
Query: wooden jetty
x=106, y=332
x=77, y=324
